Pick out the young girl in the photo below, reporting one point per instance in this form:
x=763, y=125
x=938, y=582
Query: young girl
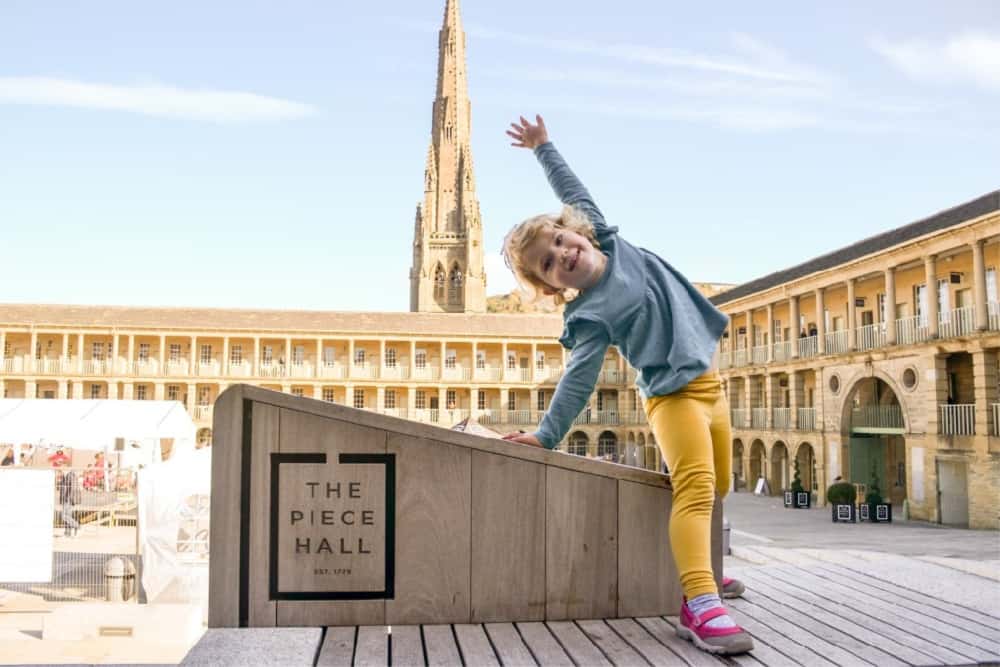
x=618, y=294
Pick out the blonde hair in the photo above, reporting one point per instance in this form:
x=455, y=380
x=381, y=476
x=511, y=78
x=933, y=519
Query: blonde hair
x=524, y=234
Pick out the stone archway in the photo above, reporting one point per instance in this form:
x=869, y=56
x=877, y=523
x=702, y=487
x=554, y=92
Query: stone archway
x=874, y=423
x=607, y=446
x=806, y=458
x=738, y=469
x=758, y=458
x=780, y=478
x=578, y=442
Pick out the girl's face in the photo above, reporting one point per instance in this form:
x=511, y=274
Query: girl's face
x=564, y=259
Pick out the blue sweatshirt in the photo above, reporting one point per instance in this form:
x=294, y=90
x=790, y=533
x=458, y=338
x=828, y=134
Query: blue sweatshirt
x=659, y=322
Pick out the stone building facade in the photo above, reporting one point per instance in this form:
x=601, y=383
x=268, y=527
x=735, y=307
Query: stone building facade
x=878, y=360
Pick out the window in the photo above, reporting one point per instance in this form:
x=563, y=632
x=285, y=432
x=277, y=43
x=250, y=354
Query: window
x=481, y=400
x=578, y=444
x=140, y=392
x=359, y=356
x=777, y=331
x=299, y=355
x=328, y=394
x=541, y=401
x=449, y=359
x=600, y=401
x=421, y=359
x=95, y=391
x=175, y=352
x=204, y=395
x=206, y=354
x=390, y=399
x=97, y=351
x=236, y=354
x=420, y=400
x=450, y=399
x=511, y=360
x=267, y=355
x=439, y=289
x=297, y=391
x=920, y=303
x=480, y=359
x=329, y=356
x=944, y=307
x=880, y=301
x=991, y=284
x=540, y=360
x=390, y=357
x=511, y=401
x=455, y=286
x=143, y=351
x=6, y=349
x=173, y=392
x=359, y=398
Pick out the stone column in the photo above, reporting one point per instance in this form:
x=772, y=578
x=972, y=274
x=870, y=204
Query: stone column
x=288, y=355
x=32, y=365
x=979, y=286
x=159, y=391
x=62, y=393
x=78, y=389
x=890, y=306
x=224, y=366
x=349, y=395
x=411, y=399
x=533, y=401
x=192, y=398
x=413, y=364
x=64, y=365
x=503, y=365
x=852, y=316
x=930, y=273
x=379, y=398
x=255, y=362
x=127, y=388
x=819, y=296
x=30, y=389
x=793, y=326
x=504, y=397
x=319, y=358
x=770, y=332
x=795, y=398
x=475, y=357
x=444, y=351
x=381, y=356
x=79, y=356
x=131, y=354
x=350, y=362
x=163, y=355
x=193, y=356
x=748, y=342
x=768, y=401
x=748, y=395
x=984, y=379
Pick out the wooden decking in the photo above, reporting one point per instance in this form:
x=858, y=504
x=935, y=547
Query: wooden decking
x=822, y=614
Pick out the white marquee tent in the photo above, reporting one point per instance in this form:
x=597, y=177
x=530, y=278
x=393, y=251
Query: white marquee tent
x=96, y=424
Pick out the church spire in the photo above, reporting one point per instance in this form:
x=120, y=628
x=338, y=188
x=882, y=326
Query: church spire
x=447, y=273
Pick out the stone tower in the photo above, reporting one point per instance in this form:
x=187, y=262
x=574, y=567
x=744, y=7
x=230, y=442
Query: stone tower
x=447, y=273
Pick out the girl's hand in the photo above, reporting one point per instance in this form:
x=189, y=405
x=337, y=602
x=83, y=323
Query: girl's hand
x=523, y=438
x=526, y=135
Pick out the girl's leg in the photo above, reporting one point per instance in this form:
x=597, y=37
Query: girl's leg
x=722, y=445
x=681, y=422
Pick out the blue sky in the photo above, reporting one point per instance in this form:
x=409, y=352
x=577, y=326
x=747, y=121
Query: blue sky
x=271, y=155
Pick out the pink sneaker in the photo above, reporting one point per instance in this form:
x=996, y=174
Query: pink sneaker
x=725, y=641
x=732, y=588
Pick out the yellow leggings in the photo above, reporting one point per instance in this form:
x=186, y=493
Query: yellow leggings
x=694, y=434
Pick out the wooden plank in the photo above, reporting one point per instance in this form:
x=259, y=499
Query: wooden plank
x=543, y=645
x=823, y=624
x=581, y=550
x=921, y=633
x=508, y=644
x=439, y=642
x=879, y=635
x=580, y=649
x=433, y=501
x=648, y=582
x=798, y=629
x=475, y=645
x=305, y=433
x=265, y=429
x=338, y=647
x=227, y=452
x=666, y=634
x=644, y=643
x=508, y=539
x=610, y=644
x=372, y=648
x=771, y=646
x=406, y=645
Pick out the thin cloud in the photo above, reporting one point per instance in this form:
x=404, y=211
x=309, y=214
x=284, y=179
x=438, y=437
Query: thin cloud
x=219, y=106
x=970, y=56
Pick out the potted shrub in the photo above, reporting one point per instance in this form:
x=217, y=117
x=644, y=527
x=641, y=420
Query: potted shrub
x=875, y=509
x=841, y=496
x=796, y=496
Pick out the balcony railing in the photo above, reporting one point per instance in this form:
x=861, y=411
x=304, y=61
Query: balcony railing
x=783, y=351
x=758, y=418
x=610, y=376
x=759, y=354
x=303, y=369
x=957, y=322
x=426, y=373
x=877, y=416
x=808, y=347
x=209, y=369
x=781, y=418
x=456, y=373
x=203, y=413
x=553, y=373
x=836, y=342
x=145, y=367
x=806, y=419
x=396, y=372
x=96, y=366
x=240, y=368
x=364, y=371
x=871, y=336
x=52, y=366
x=609, y=417
x=725, y=359
x=739, y=417
x=741, y=357
x=333, y=371
x=270, y=370
x=517, y=375
x=957, y=419
x=911, y=330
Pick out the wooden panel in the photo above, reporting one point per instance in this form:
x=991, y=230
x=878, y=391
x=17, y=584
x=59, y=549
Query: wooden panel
x=648, y=583
x=581, y=550
x=372, y=648
x=266, y=422
x=611, y=645
x=579, y=647
x=338, y=647
x=433, y=502
x=224, y=571
x=508, y=539
x=508, y=644
x=543, y=645
x=439, y=641
x=304, y=433
x=407, y=646
x=475, y=646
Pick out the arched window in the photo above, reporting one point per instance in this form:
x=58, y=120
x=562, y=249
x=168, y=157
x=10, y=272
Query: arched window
x=455, y=286
x=439, y=289
x=607, y=446
x=578, y=443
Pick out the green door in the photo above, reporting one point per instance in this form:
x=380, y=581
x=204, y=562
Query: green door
x=865, y=452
